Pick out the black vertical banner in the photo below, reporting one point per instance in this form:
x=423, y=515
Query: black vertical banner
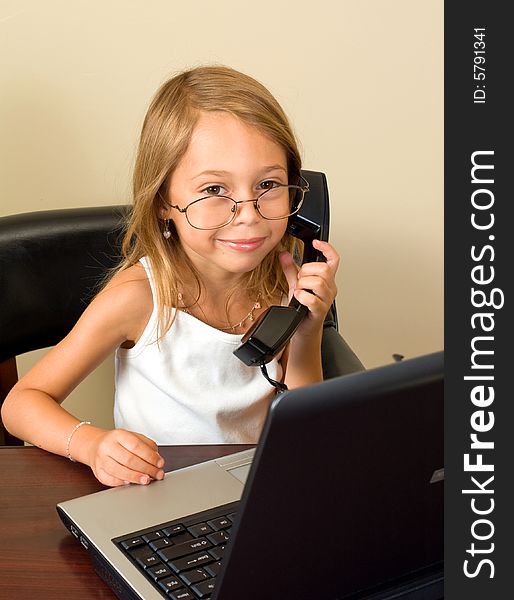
x=479, y=331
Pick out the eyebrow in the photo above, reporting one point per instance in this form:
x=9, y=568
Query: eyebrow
x=221, y=173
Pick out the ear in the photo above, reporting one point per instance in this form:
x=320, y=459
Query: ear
x=164, y=209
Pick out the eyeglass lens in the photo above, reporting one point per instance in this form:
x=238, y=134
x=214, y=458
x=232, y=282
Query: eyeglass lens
x=215, y=211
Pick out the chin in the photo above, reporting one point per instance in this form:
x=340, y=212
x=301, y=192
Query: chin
x=242, y=264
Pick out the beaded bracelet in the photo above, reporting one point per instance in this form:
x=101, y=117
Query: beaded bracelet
x=68, y=455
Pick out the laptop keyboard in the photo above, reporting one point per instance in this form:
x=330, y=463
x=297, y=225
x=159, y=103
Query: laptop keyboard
x=182, y=558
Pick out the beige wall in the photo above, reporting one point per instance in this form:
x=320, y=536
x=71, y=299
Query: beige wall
x=362, y=82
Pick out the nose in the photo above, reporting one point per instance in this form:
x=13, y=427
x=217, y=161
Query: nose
x=246, y=212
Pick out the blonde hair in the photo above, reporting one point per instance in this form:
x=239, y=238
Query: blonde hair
x=165, y=136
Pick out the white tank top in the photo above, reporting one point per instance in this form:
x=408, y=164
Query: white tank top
x=189, y=388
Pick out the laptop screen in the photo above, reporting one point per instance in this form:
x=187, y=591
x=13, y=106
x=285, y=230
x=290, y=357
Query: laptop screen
x=342, y=496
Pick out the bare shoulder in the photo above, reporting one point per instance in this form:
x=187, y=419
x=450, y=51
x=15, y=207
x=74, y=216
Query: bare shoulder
x=133, y=278
x=126, y=301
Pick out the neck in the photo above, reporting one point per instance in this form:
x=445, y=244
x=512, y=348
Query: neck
x=227, y=310
x=217, y=291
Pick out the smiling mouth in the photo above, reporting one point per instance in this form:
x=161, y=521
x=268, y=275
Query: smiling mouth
x=246, y=245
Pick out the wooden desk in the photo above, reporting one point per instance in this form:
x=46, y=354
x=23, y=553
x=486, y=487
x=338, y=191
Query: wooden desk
x=38, y=557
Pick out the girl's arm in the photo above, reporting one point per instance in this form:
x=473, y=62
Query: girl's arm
x=32, y=411
x=302, y=358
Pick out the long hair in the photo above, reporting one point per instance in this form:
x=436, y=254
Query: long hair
x=165, y=136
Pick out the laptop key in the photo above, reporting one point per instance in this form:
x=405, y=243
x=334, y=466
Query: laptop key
x=194, y=576
x=160, y=544
x=204, y=589
x=213, y=569
x=181, y=595
x=200, y=530
x=179, y=550
x=174, y=530
x=159, y=571
x=218, y=537
x=170, y=583
x=220, y=523
x=190, y=562
x=154, y=535
x=133, y=543
x=146, y=558
x=217, y=552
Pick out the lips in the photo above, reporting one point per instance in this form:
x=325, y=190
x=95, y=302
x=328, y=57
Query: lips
x=242, y=245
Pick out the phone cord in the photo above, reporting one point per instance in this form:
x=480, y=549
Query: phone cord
x=280, y=387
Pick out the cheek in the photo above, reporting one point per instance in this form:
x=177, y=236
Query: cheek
x=195, y=239
x=279, y=229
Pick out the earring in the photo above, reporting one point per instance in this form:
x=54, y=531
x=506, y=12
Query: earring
x=166, y=233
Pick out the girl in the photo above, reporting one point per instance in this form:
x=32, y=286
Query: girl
x=205, y=252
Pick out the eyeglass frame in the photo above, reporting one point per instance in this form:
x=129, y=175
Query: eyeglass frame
x=304, y=189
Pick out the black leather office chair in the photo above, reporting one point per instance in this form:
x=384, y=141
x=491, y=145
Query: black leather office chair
x=51, y=264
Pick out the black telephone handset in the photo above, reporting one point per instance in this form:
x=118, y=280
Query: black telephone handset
x=273, y=329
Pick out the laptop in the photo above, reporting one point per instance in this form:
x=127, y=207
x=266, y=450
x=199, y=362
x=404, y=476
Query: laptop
x=341, y=499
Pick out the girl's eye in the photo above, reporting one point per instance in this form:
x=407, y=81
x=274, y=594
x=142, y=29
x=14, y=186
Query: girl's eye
x=269, y=184
x=213, y=190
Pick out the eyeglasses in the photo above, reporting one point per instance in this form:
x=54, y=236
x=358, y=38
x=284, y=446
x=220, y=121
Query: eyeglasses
x=215, y=211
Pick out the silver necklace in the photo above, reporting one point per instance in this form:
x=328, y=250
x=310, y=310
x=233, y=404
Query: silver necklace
x=247, y=317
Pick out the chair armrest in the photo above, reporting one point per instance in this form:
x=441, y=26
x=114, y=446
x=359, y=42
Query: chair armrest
x=336, y=355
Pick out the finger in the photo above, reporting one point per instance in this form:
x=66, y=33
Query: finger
x=318, y=286
x=107, y=479
x=141, y=446
x=315, y=305
x=320, y=269
x=328, y=251
x=119, y=474
x=135, y=463
x=290, y=271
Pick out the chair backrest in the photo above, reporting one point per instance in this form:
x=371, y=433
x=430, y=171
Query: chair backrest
x=52, y=263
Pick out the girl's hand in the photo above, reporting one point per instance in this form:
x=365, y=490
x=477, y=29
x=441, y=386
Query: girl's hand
x=118, y=457
x=319, y=278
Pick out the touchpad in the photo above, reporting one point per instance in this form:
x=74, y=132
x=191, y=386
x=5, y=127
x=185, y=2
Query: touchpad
x=240, y=473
